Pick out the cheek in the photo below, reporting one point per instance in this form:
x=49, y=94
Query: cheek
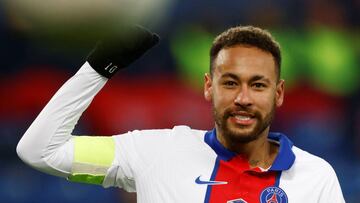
x=265, y=102
x=222, y=101
x=223, y=98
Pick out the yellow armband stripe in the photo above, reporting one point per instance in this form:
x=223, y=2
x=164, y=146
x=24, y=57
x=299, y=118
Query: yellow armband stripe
x=93, y=156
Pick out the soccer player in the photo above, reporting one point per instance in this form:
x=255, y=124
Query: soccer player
x=238, y=161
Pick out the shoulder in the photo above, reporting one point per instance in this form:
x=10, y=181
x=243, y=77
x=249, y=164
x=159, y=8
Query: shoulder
x=177, y=134
x=183, y=130
x=313, y=175
x=144, y=148
x=309, y=164
x=307, y=159
x=309, y=170
x=180, y=130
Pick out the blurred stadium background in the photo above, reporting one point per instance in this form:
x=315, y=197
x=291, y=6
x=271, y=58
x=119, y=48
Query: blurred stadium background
x=43, y=43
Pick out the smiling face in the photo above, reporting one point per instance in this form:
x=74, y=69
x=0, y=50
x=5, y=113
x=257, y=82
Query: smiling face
x=244, y=91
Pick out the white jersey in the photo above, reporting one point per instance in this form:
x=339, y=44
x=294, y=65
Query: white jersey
x=168, y=165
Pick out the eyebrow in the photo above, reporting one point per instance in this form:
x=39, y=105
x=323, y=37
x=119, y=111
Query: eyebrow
x=230, y=75
x=252, y=79
x=259, y=77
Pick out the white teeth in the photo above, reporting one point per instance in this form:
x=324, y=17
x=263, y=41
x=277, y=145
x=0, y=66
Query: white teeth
x=243, y=118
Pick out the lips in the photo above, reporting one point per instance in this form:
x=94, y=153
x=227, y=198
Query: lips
x=242, y=118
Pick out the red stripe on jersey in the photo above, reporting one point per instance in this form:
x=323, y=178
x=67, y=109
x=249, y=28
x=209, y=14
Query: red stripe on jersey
x=243, y=182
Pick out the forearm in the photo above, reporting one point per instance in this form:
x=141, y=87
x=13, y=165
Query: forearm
x=47, y=144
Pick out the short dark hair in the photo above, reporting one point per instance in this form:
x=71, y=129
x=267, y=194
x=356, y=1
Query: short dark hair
x=247, y=36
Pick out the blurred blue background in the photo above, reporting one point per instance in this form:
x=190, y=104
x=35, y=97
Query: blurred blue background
x=43, y=43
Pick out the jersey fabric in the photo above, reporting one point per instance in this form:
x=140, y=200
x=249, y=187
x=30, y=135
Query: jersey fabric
x=167, y=165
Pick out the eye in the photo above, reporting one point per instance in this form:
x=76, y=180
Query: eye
x=230, y=83
x=259, y=85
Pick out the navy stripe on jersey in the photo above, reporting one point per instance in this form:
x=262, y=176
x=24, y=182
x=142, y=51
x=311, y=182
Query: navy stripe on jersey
x=213, y=175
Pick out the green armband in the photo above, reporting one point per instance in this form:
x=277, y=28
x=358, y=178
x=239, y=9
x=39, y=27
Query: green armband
x=93, y=156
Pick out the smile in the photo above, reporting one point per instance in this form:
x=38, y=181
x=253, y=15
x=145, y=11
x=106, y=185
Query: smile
x=242, y=118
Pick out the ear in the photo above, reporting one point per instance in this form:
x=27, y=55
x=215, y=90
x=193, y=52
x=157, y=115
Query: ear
x=280, y=89
x=208, y=87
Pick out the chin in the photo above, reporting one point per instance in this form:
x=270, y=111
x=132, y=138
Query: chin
x=241, y=130
x=242, y=135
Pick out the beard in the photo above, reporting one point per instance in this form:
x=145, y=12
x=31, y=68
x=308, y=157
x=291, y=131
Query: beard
x=241, y=134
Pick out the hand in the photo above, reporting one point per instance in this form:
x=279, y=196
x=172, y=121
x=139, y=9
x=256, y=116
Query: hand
x=118, y=50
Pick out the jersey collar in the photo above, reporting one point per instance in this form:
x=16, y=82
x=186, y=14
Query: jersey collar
x=283, y=161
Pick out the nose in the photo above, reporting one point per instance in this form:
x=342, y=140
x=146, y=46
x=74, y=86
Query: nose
x=243, y=97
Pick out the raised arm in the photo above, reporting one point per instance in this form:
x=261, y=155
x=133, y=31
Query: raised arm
x=48, y=144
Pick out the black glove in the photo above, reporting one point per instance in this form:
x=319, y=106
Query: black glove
x=119, y=50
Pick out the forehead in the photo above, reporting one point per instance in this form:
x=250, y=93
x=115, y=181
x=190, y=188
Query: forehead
x=245, y=60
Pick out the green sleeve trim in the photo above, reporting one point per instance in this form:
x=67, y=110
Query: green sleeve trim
x=86, y=178
x=93, y=156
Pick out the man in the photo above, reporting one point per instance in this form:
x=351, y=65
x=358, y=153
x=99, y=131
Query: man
x=238, y=161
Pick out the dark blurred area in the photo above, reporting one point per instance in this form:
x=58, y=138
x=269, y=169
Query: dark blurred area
x=43, y=43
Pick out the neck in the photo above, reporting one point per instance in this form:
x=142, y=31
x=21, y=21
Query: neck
x=260, y=152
